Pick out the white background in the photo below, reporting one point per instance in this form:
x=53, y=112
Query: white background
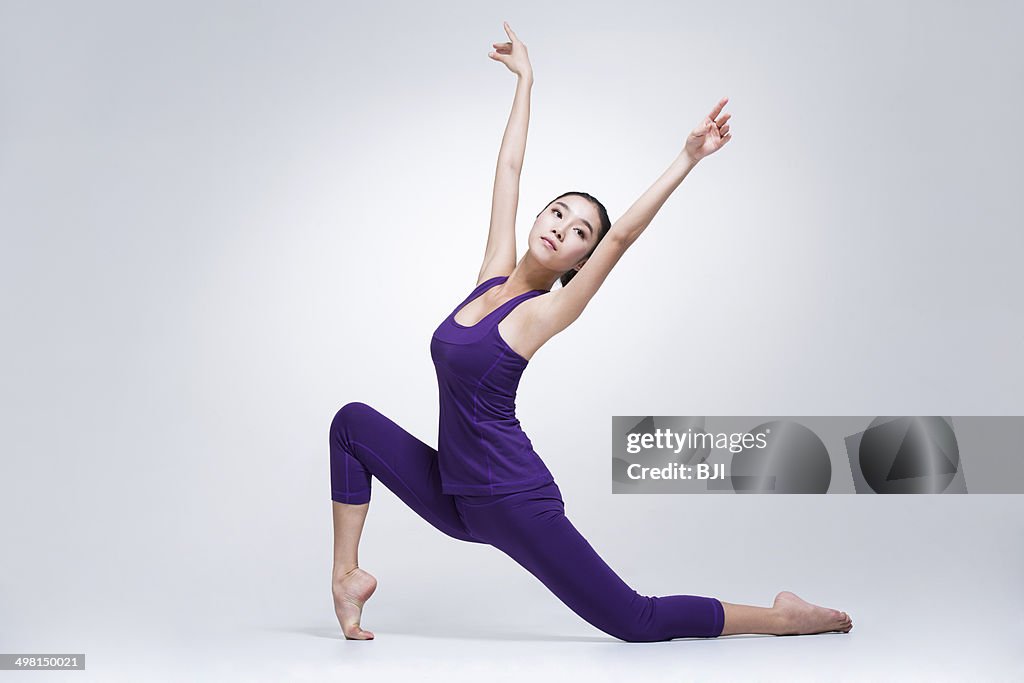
x=223, y=221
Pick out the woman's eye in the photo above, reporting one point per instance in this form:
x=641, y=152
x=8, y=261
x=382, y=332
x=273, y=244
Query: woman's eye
x=557, y=212
x=581, y=232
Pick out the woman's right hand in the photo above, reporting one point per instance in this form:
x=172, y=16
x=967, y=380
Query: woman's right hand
x=513, y=54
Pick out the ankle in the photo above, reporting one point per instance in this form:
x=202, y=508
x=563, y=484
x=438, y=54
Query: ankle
x=783, y=622
x=341, y=573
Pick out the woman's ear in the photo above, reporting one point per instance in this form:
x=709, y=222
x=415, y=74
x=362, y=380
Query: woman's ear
x=579, y=265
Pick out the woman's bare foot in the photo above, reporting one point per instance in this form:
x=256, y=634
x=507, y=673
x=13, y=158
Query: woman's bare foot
x=351, y=591
x=800, y=617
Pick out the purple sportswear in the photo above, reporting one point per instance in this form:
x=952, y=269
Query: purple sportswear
x=482, y=449
x=486, y=484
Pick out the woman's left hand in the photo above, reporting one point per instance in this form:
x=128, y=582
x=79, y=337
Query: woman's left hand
x=710, y=135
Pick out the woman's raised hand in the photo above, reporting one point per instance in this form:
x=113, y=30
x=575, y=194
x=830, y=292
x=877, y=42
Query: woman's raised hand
x=512, y=54
x=710, y=135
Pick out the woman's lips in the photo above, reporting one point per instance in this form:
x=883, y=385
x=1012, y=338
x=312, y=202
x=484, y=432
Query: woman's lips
x=551, y=245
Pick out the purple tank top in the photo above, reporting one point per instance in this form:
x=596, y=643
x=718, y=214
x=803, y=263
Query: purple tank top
x=481, y=448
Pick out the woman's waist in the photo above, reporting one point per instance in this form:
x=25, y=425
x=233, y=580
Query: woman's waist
x=547, y=489
x=497, y=432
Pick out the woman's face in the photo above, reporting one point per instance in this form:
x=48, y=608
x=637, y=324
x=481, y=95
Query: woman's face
x=565, y=232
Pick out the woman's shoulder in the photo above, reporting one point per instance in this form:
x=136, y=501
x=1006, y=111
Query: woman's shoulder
x=488, y=278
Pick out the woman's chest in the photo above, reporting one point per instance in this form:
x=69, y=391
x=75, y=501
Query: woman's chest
x=459, y=348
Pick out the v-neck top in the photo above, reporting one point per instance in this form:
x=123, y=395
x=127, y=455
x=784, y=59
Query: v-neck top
x=482, y=450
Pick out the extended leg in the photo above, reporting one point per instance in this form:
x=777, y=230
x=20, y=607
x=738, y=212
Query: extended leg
x=751, y=619
x=531, y=527
x=790, y=615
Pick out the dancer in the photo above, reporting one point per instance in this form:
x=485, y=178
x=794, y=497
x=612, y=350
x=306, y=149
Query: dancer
x=485, y=483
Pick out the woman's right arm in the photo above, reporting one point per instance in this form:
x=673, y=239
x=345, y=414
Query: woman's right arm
x=513, y=142
x=500, y=252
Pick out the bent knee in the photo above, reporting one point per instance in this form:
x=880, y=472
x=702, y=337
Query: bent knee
x=348, y=413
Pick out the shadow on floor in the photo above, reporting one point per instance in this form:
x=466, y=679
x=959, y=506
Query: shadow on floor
x=462, y=633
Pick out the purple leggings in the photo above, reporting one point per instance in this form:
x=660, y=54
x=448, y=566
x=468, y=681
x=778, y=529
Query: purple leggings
x=528, y=526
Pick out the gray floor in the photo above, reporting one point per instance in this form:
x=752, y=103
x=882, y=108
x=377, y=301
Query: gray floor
x=966, y=637
x=935, y=597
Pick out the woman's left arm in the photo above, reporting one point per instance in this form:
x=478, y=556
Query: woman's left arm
x=559, y=309
x=708, y=137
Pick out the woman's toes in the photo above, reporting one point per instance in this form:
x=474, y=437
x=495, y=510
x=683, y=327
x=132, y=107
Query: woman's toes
x=358, y=634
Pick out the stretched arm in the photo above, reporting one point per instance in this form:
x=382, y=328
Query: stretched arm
x=709, y=136
x=513, y=143
x=500, y=252
x=560, y=308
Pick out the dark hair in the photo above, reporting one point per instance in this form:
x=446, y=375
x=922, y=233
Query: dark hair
x=605, y=226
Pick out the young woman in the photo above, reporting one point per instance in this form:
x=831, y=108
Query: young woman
x=485, y=483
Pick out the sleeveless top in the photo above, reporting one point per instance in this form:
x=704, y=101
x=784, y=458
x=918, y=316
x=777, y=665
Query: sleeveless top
x=481, y=448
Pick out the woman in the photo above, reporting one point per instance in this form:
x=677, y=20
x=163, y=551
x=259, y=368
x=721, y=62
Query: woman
x=485, y=483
